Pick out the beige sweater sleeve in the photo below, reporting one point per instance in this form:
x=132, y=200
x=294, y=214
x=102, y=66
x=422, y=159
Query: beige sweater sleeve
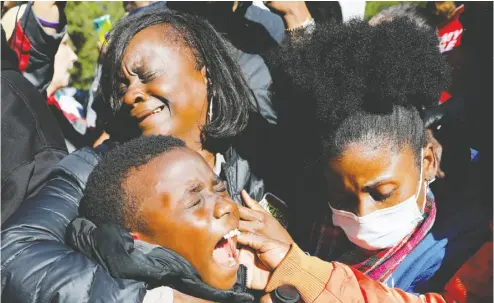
x=322, y=282
x=308, y=274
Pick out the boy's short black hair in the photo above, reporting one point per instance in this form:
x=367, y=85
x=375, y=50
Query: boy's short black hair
x=105, y=199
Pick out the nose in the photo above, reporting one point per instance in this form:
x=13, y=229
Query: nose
x=356, y=204
x=73, y=56
x=223, y=207
x=134, y=95
x=364, y=206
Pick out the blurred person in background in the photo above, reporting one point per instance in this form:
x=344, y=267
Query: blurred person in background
x=36, y=32
x=134, y=7
x=32, y=142
x=448, y=121
x=64, y=62
x=477, y=20
x=70, y=106
x=6, y=5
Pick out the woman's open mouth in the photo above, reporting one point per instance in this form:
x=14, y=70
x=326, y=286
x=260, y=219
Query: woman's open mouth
x=225, y=252
x=150, y=114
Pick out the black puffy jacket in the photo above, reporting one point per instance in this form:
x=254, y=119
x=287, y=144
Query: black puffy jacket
x=36, y=264
x=31, y=138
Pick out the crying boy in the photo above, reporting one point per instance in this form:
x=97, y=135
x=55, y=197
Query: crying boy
x=166, y=194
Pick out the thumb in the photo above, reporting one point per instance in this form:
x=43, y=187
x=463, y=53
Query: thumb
x=251, y=203
x=269, y=251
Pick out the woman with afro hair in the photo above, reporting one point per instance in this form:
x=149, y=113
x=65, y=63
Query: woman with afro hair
x=374, y=212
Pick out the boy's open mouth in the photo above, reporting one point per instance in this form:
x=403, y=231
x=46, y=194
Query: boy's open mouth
x=225, y=252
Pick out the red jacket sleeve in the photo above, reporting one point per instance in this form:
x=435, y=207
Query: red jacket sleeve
x=319, y=281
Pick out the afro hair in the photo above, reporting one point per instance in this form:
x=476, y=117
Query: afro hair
x=367, y=82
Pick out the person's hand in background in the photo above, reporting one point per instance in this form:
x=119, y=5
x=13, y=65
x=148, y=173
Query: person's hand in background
x=255, y=219
x=52, y=12
x=294, y=13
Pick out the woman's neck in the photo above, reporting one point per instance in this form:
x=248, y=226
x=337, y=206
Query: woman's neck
x=197, y=145
x=208, y=156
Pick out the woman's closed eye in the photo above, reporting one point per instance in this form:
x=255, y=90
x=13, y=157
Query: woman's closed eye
x=148, y=77
x=122, y=90
x=381, y=197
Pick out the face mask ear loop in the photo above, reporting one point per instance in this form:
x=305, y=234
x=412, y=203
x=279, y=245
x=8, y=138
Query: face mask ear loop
x=421, y=182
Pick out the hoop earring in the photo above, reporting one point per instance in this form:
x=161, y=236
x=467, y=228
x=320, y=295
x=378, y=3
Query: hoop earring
x=210, y=111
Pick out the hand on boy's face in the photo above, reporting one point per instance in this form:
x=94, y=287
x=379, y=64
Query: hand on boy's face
x=187, y=209
x=255, y=219
x=257, y=275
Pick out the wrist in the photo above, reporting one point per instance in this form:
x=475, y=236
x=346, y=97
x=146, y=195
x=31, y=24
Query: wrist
x=308, y=275
x=296, y=17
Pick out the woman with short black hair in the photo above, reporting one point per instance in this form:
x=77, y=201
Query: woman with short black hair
x=171, y=73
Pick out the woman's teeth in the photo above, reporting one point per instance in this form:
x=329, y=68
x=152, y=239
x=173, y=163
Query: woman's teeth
x=157, y=110
x=231, y=234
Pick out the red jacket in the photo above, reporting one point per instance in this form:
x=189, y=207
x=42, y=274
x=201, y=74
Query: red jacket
x=323, y=282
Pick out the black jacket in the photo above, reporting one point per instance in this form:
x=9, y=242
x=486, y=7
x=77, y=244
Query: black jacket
x=31, y=138
x=36, y=264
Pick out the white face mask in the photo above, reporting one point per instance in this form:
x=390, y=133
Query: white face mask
x=383, y=228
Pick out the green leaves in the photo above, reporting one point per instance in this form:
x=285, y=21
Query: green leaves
x=84, y=38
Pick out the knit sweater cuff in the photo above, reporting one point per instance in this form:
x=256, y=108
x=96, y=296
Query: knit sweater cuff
x=309, y=275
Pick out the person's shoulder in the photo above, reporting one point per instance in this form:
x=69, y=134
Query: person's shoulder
x=24, y=106
x=10, y=18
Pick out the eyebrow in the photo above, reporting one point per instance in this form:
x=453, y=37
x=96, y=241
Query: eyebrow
x=194, y=186
x=374, y=184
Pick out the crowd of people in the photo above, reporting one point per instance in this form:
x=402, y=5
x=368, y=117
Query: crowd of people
x=249, y=152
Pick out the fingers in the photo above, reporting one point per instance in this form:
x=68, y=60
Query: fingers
x=251, y=203
x=251, y=240
x=250, y=226
x=269, y=251
x=249, y=214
